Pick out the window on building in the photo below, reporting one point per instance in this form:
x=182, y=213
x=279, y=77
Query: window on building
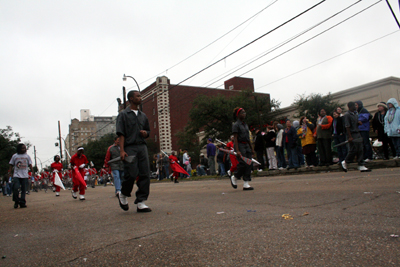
x=154, y=111
x=155, y=124
x=153, y=97
x=85, y=128
x=155, y=138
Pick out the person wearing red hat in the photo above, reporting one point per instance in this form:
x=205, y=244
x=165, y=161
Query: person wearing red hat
x=78, y=163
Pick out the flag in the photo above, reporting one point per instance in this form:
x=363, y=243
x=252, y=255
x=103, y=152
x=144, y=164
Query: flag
x=78, y=176
x=57, y=181
x=177, y=168
x=246, y=160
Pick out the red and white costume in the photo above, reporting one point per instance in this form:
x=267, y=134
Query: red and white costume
x=56, y=166
x=233, y=158
x=78, y=183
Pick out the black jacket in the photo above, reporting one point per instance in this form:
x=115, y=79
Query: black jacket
x=339, y=125
x=267, y=138
x=259, y=142
x=378, y=123
x=292, y=137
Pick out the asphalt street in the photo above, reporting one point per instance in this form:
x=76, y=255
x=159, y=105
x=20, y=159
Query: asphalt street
x=330, y=219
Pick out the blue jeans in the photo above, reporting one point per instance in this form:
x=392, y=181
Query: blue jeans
x=293, y=157
x=117, y=174
x=222, y=167
x=396, y=143
x=166, y=169
x=281, y=157
x=341, y=150
x=200, y=170
x=19, y=183
x=300, y=155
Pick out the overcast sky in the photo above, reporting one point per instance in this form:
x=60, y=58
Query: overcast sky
x=57, y=57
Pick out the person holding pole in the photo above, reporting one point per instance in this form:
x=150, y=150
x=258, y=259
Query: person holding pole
x=243, y=148
x=133, y=128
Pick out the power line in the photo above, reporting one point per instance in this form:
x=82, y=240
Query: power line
x=394, y=15
x=341, y=54
x=243, y=65
x=310, y=38
x=219, y=38
x=246, y=45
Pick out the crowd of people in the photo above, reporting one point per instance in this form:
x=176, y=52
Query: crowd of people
x=290, y=145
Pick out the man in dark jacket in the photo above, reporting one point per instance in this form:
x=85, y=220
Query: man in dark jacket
x=378, y=123
x=290, y=143
x=363, y=120
x=259, y=147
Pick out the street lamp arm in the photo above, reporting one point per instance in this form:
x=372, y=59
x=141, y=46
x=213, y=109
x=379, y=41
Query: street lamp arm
x=127, y=76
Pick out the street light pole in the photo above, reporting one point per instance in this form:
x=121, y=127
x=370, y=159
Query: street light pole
x=124, y=79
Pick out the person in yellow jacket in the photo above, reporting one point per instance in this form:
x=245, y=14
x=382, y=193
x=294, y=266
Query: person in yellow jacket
x=308, y=143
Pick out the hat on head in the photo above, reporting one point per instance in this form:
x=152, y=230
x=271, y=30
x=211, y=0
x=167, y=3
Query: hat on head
x=80, y=148
x=383, y=104
x=209, y=139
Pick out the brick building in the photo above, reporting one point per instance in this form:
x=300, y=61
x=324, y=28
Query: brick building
x=167, y=106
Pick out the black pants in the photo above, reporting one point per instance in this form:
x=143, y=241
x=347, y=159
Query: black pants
x=325, y=151
x=260, y=158
x=386, y=142
x=311, y=159
x=140, y=169
x=244, y=169
x=356, y=149
x=367, y=148
x=19, y=183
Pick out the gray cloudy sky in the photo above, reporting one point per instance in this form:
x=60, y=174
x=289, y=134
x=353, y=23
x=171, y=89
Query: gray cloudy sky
x=57, y=57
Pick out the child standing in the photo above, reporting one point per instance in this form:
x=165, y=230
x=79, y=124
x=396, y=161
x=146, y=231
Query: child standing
x=20, y=161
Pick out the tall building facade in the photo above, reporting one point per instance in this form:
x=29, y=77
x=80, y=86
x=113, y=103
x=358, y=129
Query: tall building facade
x=89, y=128
x=167, y=106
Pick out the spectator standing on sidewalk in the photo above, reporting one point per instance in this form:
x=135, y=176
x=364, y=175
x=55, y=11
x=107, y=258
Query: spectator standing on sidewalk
x=259, y=147
x=378, y=123
x=392, y=124
x=290, y=143
x=280, y=153
x=211, y=151
x=308, y=143
x=339, y=135
x=363, y=120
x=220, y=161
x=324, y=138
x=270, y=143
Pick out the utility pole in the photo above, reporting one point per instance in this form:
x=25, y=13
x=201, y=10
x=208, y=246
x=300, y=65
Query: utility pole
x=34, y=152
x=124, y=96
x=59, y=139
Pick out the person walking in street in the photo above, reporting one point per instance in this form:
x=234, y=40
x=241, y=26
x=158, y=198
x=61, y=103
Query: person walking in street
x=308, y=143
x=133, y=128
x=392, y=124
x=243, y=148
x=270, y=138
x=290, y=142
x=339, y=135
x=363, y=120
x=259, y=148
x=211, y=151
x=378, y=124
x=324, y=138
x=353, y=134
x=56, y=167
x=20, y=162
x=117, y=168
x=78, y=162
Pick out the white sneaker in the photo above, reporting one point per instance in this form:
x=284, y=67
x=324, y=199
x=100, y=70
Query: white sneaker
x=81, y=197
x=233, y=181
x=57, y=194
x=281, y=168
x=229, y=173
x=142, y=205
x=367, y=160
x=74, y=194
x=396, y=157
x=123, y=199
x=363, y=169
x=311, y=166
x=344, y=166
x=246, y=186
x=260, y=170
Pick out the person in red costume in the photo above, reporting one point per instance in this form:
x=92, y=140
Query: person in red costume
x=56, y=167
x=172, y=160
x=234, y=161
x=78, y=163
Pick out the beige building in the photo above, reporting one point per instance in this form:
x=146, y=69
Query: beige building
x=370, y=94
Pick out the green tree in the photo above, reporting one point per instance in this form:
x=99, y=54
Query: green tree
x=310, y=105
x=96, y=150
x=214, y=116
x=8, y=147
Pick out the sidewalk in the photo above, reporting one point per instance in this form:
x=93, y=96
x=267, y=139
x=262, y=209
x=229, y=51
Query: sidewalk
x=375, y=164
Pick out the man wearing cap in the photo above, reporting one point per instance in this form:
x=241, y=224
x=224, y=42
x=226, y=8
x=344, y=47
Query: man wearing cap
x=378, y=123
x=79, y=161
x=211, y=149
x=133, y=128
